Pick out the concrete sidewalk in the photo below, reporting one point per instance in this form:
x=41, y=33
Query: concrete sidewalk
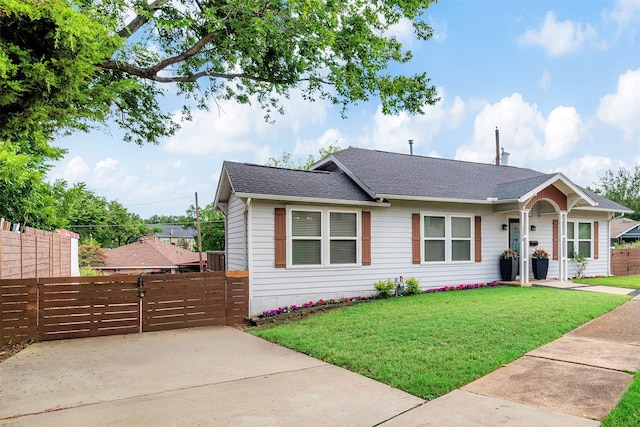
x=224, y=377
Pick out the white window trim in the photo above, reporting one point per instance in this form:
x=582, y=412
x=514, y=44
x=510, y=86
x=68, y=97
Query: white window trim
x=576, y=235
x=325, y=238
x=448, y=239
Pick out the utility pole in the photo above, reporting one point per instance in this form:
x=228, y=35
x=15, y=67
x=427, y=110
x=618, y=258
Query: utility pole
x=199, y=234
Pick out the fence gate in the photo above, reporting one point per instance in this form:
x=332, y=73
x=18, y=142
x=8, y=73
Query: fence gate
x=77, y=307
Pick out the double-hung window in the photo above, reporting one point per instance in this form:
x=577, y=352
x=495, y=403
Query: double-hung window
x=446, y=238
x=323, y=237
x=580, y=238
x=306, y=237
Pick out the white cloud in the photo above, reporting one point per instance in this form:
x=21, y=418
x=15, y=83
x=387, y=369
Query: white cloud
x=545, y=80
x=626, y=15
x=74, y=171
x=329, y=137
x=231, y=127
x=440, y=29
x=587, y=170
x=393, y=132
x=524, y=132
x=403, y=31
x=622, y=109
x=558, y=37
x=562, y=132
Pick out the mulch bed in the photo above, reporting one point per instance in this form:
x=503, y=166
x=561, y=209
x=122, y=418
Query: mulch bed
x=6, y=351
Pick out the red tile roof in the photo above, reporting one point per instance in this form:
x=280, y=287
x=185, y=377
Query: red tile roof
x=148, y=253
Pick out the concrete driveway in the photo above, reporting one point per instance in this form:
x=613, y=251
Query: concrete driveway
x=224, y=377
x=210, y=376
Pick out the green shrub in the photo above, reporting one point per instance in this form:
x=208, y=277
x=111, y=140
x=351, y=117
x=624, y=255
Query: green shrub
x=384, y=288
x=581, y=263
x=411, y=286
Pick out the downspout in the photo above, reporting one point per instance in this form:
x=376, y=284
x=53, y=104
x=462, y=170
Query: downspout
x=248, y=212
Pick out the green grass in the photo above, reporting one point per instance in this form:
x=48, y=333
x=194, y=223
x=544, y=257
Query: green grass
x=632, y=282
x=627, y=413
x=431, y=344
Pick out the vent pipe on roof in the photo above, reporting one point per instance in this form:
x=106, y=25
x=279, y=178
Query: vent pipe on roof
x=504, y=158
x=411, y=147
x=497, y=146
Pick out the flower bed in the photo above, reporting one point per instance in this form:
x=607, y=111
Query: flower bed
x=462, y=287
x=293, y=310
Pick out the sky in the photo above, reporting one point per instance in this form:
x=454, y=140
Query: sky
x=559, y=79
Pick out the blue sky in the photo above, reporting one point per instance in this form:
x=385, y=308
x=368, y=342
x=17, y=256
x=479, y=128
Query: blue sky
x=560, y=79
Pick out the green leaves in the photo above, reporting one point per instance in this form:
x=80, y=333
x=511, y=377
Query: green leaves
x=623, y=186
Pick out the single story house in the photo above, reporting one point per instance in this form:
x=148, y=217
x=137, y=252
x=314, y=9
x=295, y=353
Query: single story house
x=624, y=230
x=151, y=257
x=359, y=216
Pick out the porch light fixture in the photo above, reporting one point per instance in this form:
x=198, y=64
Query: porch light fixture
x=505, y=226
x=533, y=228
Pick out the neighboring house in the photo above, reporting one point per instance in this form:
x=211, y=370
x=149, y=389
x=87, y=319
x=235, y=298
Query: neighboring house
x=624, y=230
x=149, y=256
x=359, y=216
x=176, y=235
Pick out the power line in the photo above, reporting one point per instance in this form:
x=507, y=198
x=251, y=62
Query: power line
x=160, y=201
x=216, y=221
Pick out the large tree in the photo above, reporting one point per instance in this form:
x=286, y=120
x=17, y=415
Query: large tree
x=66, y=64
x=622, y=186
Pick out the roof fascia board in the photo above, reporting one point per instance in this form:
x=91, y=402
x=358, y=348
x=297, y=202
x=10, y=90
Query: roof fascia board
x=589, y=208
x=224, y=175
x=436, y=199
x=311, y=200
x=566, y=181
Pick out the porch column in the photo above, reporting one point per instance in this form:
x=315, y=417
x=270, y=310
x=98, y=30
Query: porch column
x=562, y=246
x=524, y=246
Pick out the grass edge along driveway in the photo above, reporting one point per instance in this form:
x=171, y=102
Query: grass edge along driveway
x=631, y=282
x=431, y=344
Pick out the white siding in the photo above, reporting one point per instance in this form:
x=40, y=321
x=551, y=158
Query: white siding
x=600, y=266
x=390, y=254
x=236, y=237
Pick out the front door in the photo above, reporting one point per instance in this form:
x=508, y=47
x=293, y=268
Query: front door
x=514, y=234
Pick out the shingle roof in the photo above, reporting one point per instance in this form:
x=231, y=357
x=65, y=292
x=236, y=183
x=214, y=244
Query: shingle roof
x=148, y=253
x=265, y=180
x=620, y=226
x=173, y=230
x=362, y=175
x=429, y=177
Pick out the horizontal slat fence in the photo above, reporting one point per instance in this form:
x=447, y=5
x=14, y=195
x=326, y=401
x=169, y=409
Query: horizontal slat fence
x=70, y=308
x=625, y=262
x=76, y=307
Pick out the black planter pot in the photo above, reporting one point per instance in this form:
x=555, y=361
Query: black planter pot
x=540, y=268
x=509, y=269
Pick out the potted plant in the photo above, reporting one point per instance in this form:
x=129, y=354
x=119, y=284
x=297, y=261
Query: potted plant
x=509, y=265
x=540, y=264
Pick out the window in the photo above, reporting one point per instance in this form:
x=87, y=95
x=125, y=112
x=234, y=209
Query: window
x=446, y=238
x=323, y=237
x=580, y=238
x=306, y=235
x=343, y=246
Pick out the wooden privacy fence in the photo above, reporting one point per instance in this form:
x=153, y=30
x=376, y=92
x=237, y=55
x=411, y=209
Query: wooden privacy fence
x=77, y=307
x=625, y=262
x=34, y=253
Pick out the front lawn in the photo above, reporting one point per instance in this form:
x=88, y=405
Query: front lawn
x=632, y=282
x=431, y=344
x=627, y=413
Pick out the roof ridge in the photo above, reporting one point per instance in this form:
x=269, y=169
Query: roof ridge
x=438, y=158
x=277, y=167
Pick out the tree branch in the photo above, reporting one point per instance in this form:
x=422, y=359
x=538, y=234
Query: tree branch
x=193, y=50
x=137, y=22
